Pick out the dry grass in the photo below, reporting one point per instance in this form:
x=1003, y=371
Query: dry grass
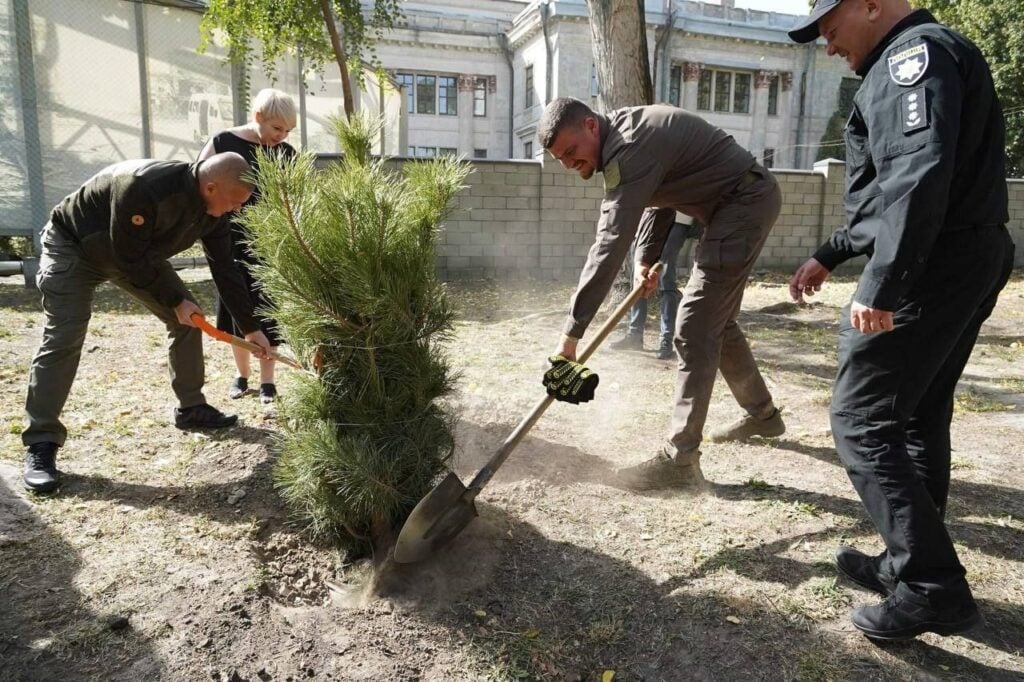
x=564, y=577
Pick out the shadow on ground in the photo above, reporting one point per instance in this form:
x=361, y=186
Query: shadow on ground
x=47, y=632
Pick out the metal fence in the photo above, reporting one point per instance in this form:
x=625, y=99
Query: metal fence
x=87, y=83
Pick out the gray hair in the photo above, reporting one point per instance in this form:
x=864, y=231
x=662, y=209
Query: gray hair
x=561, y=113
x=227, y=168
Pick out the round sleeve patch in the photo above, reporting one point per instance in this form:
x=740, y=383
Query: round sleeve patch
x=138, y=221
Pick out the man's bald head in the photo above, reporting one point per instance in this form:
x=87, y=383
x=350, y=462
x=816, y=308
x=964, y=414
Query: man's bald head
x=224, y=184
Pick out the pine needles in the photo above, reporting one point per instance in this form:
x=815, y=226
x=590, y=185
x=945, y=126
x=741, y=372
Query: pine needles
x=348, y=257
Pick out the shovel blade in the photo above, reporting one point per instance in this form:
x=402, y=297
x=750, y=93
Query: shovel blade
x=435, y=521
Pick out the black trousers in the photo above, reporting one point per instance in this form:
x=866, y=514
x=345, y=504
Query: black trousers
x=893, y=403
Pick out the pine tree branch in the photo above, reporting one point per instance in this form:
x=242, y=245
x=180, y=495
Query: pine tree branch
x=298, y=236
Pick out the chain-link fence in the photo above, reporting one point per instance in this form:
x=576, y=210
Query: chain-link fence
x=93, y=82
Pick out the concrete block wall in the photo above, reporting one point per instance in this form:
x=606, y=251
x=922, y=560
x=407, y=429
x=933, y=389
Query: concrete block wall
x=534, y=219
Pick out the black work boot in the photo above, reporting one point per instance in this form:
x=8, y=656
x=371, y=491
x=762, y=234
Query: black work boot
x=202, y=417
x=905, y=617
x=41, y=473
x=631, y=341
x=662, y=471
x=867, y=571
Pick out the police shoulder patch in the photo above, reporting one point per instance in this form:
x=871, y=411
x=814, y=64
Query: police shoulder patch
x=914, y=109
x=611, y=176
x=906, y=67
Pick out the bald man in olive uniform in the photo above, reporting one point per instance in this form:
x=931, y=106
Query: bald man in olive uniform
x=121, y=226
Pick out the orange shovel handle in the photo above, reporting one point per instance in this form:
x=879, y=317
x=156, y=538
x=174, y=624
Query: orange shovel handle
x=200, y=321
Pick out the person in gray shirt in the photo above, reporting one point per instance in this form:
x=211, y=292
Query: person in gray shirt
x=664, y=159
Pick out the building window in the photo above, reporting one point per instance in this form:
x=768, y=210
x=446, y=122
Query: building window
x=741, y=93
x=406, y=80
x=447, y=96
x=529, y=88
x=773, y=96
x=412, y=151
x=480, y=97
x=427, y=152
x=769, y=158
x=479, y=153
x=724, y=91
x=527, y=150
x=704, y=91
x=426, y=94
x=675, y=77
x=447, y=151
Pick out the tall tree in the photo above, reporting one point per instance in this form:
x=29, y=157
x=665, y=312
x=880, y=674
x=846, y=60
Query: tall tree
x=997, y=28
x=619, y=32
x=322, y=31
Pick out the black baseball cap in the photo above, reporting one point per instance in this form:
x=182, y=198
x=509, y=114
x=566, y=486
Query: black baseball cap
x=807, y=30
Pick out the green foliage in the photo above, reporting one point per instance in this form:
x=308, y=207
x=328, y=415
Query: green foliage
x=348, y=257
x=279, y=26
x=995, y=26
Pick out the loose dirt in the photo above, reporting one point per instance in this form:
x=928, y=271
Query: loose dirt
x=168, y=555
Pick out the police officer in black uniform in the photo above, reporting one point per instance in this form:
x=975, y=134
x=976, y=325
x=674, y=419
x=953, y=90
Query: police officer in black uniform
x=121, y=226
x=926, y=202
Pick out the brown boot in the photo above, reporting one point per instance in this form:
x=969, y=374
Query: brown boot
x=662, y=471
x=749, y=426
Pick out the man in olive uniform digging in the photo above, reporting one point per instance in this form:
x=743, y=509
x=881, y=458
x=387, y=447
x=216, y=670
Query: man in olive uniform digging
x=121, y=226
x=664, y=157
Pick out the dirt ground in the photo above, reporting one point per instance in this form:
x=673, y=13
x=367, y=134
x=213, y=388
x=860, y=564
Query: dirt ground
x=168, y=555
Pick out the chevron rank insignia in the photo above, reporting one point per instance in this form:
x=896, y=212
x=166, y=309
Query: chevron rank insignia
x=907, y=67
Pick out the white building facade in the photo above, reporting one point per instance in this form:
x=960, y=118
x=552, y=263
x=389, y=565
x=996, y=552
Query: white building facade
x=478, y=74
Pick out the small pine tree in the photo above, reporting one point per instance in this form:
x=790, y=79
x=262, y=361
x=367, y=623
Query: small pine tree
x=348, y=257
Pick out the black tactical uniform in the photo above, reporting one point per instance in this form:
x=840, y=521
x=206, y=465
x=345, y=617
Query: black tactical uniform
x=926, y=201
x=121, y=226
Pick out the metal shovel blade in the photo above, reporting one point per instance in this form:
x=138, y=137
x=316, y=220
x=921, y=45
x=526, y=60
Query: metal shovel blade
x=436, y=520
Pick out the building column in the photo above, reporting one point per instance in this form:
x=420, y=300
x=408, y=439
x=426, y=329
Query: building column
x=691, y=80
x=788, y=156
x=467, y=82
x=759, y=113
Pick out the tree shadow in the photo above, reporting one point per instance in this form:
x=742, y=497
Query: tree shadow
x=45, y=632
x=548, y=609
x=966, y=499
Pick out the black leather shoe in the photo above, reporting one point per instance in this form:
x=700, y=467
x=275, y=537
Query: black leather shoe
x=202, y=417
x=898, y=617
x=865, y=570
x=41, y=473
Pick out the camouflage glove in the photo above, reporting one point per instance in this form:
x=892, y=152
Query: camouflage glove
x=569, y=381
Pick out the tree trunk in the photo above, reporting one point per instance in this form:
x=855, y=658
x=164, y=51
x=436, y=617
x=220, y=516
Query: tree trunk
x=339, y=55
x=619, y=32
